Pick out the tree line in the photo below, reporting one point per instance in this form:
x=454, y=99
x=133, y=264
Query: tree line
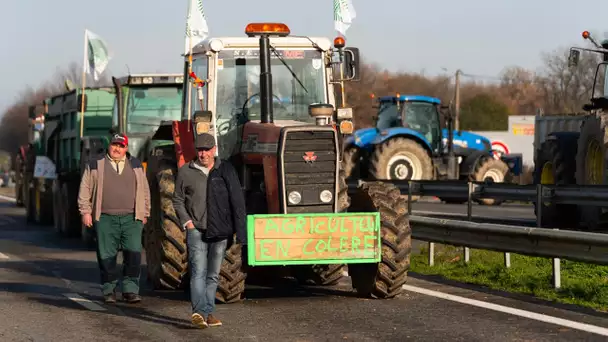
x=554, y=89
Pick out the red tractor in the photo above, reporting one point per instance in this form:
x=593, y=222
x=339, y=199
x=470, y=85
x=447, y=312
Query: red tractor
x=284, y=136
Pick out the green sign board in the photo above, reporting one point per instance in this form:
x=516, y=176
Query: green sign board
x=301, y=239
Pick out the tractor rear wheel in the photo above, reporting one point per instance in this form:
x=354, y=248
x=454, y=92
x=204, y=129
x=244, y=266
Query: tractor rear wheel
x=165, y=242
x=350, y=162
x=326, y=275
x=591, y=163
x=556, y=165
x=384, y=279
x=402, y=159
x=490, y=170
x=166, y=248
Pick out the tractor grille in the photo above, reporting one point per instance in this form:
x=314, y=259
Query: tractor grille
x=309, y=178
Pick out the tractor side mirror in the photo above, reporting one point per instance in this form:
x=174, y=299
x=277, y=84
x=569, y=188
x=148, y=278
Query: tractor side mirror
x=573, y=58
x=351, y=64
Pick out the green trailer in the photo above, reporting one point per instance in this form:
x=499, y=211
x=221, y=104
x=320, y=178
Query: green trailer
x=72, y=139
x=30, y=185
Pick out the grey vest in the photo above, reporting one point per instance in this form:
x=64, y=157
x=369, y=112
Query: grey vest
x=118, y=196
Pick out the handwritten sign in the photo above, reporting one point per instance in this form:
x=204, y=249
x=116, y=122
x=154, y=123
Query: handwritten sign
x=298, y=239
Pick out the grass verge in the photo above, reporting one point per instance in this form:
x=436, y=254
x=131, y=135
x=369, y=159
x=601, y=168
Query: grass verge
x=581, y=284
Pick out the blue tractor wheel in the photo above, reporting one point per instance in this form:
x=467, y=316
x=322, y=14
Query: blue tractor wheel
x=401, y=158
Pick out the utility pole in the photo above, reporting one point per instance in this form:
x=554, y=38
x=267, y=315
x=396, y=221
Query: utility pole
x=457, y=100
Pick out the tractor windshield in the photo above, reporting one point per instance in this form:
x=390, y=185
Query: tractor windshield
x=238, y=84
x=389, y=115
x=423, y=117
x=148, y=106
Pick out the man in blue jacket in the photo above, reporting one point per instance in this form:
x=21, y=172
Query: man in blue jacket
x=210, y=205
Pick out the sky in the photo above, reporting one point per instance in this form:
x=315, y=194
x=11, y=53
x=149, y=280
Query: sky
x=434, y=36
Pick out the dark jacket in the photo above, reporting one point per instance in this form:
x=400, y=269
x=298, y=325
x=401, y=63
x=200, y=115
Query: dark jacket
x=219, y=209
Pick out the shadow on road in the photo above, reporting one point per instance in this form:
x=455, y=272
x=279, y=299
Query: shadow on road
x=515, y=296
x=87, y=272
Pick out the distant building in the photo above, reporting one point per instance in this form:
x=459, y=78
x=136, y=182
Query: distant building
x=518, y=139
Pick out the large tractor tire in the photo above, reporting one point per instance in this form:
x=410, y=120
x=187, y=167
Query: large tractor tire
x=591, y=164
x=384, y=279
x=165, y=242
x=556, y=165
x=166, y=249
x=401, y=159
x=490, y=170
x=326, y=275
x=350, y=162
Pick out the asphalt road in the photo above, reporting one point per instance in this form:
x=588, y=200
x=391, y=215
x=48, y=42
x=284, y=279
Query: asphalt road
x=506, y=213
x=49, y=292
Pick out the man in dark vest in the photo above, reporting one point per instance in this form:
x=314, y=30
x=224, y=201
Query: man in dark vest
x=114, y=193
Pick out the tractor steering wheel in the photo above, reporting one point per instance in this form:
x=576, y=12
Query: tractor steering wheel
x=258, y=94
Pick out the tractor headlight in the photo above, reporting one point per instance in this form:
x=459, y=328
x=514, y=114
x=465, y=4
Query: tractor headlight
x=294, y=197
x=325, y=196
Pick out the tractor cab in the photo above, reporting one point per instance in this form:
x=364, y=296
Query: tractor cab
x=416, y=112
x=227, y=78
x=142, y=103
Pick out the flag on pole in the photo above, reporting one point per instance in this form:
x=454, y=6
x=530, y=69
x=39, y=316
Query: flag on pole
x=344, y=13
x=98, y=55
x=196, y=24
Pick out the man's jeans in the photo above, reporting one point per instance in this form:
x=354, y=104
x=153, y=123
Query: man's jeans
x=204, y=260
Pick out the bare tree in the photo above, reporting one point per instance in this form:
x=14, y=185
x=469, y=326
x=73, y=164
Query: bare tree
x=563, y=88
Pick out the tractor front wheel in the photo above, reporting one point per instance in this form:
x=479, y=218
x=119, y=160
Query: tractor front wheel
x=402, y=159
x=384, y=279
x=490, y=170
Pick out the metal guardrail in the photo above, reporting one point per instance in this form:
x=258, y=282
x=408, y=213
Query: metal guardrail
x=596, y=195
x=541, y=242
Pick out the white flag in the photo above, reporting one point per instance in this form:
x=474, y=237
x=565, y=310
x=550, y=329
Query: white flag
x=344, y=13
x=196, y=24
x=98, y=55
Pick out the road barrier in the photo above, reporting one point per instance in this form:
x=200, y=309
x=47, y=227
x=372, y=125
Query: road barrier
x=542, y=242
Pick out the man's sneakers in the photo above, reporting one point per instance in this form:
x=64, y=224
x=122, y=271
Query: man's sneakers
x=213, y=322
x=199, y=321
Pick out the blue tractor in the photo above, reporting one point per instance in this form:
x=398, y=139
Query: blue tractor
x=414, y=140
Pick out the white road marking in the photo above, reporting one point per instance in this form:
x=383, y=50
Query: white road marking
x=517, y=312
x=6, y=198
x=3, y=256
x=84, y=302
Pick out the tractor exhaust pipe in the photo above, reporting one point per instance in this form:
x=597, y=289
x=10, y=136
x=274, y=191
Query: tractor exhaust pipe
x=119, y=104
x=265, y=81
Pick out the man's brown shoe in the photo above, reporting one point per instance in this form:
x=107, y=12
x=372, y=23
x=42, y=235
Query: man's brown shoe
x=131, y=298
x=109, y=298
x=199, y=321
x=213, y=322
